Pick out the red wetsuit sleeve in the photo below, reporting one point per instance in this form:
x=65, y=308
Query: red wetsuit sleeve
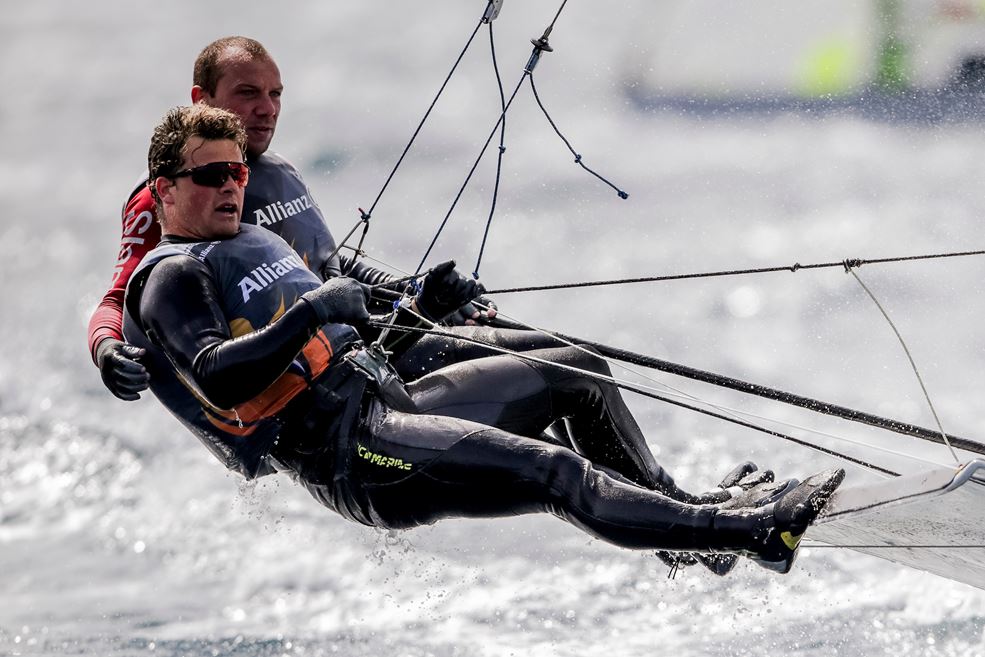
x=141, y=233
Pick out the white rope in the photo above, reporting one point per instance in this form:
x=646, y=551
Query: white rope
x=851, y=270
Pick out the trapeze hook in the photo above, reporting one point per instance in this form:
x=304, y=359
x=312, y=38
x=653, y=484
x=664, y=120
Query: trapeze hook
x=540, y=45
x=492, y=11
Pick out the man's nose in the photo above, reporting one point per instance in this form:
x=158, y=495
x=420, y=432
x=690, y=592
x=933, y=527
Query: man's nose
x=266, y=107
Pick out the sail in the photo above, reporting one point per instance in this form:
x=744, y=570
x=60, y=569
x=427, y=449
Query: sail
x=933, y=521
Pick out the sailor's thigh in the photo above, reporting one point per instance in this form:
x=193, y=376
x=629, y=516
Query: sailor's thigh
x=512, y=339
x=501, y=391
x=433, y=352
x=416, y=469
x=415, y=439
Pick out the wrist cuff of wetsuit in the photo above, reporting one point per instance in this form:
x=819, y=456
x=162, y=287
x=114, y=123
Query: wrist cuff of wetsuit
x=102, y=348
x=415, y=307
x=314, y=319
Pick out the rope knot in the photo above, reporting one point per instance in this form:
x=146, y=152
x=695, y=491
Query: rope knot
x=623, y=195
x=364, y=215
x=795, y=267
x=502, y=149
x=577, y=158
x=851, y=263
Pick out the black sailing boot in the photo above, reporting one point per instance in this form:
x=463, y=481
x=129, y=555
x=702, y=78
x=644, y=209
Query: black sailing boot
x=777, y=528
x=755, y=489
x=744, y=486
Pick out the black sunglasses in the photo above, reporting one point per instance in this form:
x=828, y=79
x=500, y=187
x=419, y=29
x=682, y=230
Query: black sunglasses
x=215, y=174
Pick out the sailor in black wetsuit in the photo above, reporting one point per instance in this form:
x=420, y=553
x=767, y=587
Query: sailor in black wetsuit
x=239, y=75
x=257, y=357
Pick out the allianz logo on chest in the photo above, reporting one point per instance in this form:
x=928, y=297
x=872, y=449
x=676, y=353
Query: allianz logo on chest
x=262, y=276
x=279, y=210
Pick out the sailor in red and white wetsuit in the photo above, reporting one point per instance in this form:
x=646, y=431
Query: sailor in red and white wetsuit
x=239, y=75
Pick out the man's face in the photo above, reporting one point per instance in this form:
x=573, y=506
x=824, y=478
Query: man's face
x=198, y=211
x=250, y=89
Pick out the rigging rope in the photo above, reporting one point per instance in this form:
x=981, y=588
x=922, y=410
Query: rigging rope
x=850, y=263
x=550, y=27
x=621, y=363
x=489, y=14
x=720, y=407
x=540, y=46
x=499, y=159
x=366, y=215
x=623, y=195
x=475, y=165
x=909, y=357
x=723, y=381
x=634, y=388
x=739, y=412
x=815, y=405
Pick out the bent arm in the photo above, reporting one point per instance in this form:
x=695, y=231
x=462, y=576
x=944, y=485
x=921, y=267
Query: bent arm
x=180, y=310
x=106, y=321
x=141, y=233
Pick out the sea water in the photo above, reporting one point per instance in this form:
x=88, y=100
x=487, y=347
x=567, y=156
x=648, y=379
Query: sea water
x=120, y=535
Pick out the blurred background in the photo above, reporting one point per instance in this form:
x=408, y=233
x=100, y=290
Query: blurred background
x=748, y=134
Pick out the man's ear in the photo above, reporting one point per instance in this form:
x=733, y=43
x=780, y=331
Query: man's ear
x=198, y=94
x=163, y=187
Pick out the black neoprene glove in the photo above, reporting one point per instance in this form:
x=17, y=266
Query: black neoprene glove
x=339, y=300
x=444, y=291
x=121, y=373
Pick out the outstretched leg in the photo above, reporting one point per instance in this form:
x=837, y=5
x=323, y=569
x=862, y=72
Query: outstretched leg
x=456, y=468
x=525, y=397
x=408, y=470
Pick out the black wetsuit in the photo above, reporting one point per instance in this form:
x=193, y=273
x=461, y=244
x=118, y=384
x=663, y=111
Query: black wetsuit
x=471, y=447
